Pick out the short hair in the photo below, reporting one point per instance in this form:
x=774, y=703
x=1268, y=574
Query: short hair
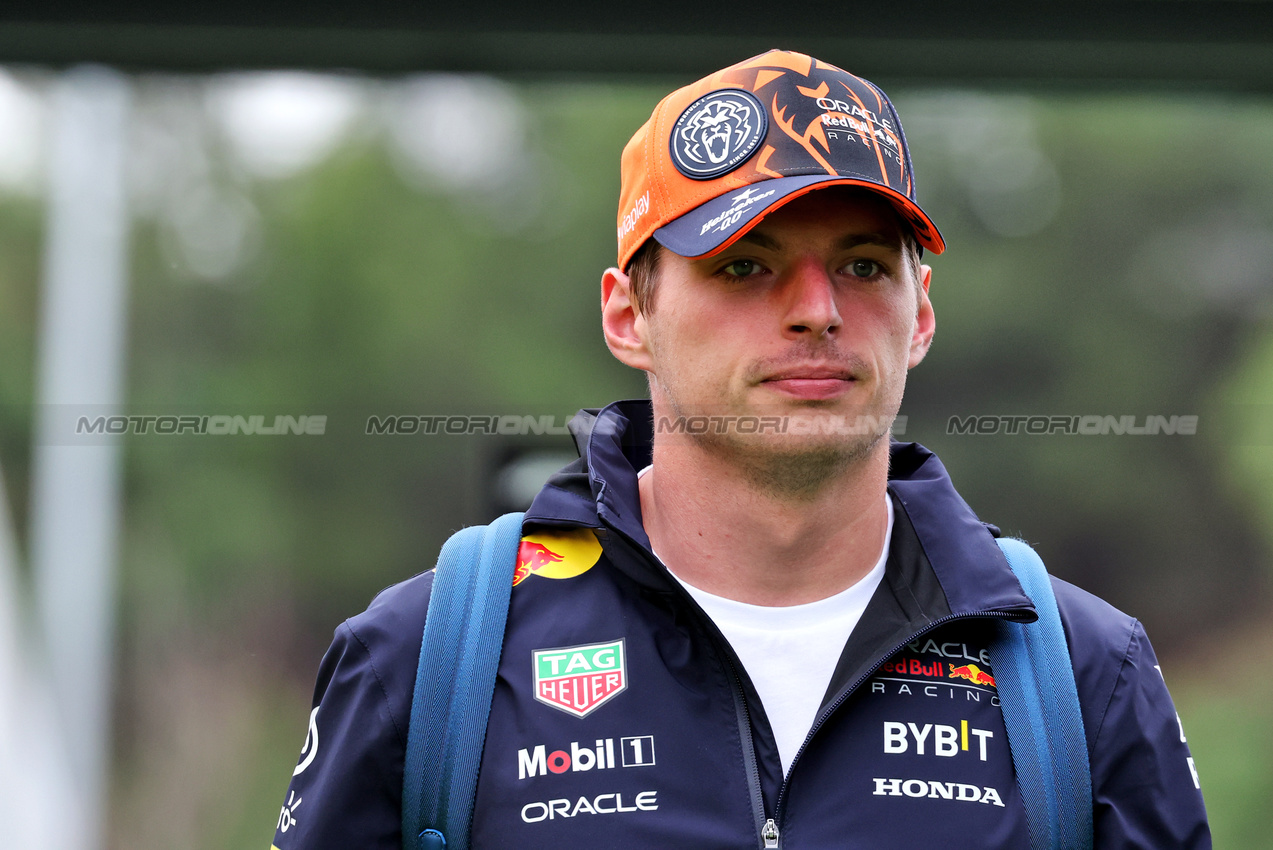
x=643, y=274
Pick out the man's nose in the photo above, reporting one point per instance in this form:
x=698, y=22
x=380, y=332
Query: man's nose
x=811, y=307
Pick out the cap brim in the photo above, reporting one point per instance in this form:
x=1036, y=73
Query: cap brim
x=716, y=224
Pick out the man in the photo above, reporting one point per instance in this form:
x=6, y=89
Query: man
x=743, y=618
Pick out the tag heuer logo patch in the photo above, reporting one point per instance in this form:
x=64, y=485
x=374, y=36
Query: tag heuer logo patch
x=579, y=679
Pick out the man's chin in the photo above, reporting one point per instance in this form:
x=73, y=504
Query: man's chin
x=804, y=471
x=802, y=461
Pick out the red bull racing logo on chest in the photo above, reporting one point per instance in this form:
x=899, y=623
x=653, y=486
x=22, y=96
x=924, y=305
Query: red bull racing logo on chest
x=580, y=679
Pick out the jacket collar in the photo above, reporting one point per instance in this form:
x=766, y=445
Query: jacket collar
x=599, y=490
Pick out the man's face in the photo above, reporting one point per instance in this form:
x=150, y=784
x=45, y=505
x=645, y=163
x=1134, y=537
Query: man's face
x=814, y=316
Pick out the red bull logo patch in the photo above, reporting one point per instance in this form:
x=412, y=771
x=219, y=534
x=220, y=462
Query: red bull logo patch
x=972, y=673
x=580, y=679
x=559, y=554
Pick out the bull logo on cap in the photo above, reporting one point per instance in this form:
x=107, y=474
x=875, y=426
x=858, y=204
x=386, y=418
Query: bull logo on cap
x=717, y=133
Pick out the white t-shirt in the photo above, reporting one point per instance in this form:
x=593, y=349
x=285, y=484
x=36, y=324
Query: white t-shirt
x=790, y=652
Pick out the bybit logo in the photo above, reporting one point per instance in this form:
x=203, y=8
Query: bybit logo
x=947, y=741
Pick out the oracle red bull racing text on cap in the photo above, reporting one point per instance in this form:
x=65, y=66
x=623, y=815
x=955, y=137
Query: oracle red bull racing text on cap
x=718, y=154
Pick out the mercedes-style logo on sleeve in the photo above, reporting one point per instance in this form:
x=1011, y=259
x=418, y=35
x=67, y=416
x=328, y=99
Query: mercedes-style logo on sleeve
x=717, y=133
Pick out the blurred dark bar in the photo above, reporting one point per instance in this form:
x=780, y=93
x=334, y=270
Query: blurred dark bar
x=1159, y=44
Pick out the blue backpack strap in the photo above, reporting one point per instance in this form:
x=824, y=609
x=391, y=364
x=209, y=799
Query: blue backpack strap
x=455, y=681
x=1035, y=680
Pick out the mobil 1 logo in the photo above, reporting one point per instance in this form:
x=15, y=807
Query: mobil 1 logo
x=636, y=751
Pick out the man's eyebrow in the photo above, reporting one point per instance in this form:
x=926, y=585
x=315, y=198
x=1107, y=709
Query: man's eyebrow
x=856, y=239
x=761, y=240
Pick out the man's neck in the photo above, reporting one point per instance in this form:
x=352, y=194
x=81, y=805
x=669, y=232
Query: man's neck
x=720, y=532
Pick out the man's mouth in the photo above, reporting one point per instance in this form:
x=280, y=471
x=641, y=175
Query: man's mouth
x=811, y=382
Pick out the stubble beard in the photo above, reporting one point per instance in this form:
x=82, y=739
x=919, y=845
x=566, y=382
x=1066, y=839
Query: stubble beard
x=800, y=473
x=784, y=466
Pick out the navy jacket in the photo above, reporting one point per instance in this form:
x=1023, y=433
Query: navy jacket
x=622, y=718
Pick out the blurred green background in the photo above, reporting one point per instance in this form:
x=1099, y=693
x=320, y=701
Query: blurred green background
x=347, y=246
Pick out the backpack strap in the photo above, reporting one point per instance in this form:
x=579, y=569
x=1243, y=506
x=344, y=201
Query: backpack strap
x=1035, y=679
x=455, y=681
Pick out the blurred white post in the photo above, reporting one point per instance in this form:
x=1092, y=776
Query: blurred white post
x=75, y=489
x=34, y=767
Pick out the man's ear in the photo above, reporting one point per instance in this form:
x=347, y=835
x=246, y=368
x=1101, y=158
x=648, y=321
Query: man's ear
x=623, y=325
x=925, y=323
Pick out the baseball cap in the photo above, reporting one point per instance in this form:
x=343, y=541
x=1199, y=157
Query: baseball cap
x=719, y=154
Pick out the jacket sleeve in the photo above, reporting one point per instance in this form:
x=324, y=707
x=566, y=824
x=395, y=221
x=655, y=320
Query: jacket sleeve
x=347, y=787
x=1145, y=787
x=346, y=791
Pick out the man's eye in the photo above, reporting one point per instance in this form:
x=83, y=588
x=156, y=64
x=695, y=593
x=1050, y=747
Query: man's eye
x=742, y=268
x=864, y=268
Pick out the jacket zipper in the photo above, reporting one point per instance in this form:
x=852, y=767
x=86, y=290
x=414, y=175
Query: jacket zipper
x=843, y=697
x=757, y=795
x=766, y=826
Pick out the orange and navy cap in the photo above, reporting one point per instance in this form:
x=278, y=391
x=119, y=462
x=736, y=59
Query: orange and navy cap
x=719, y=154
